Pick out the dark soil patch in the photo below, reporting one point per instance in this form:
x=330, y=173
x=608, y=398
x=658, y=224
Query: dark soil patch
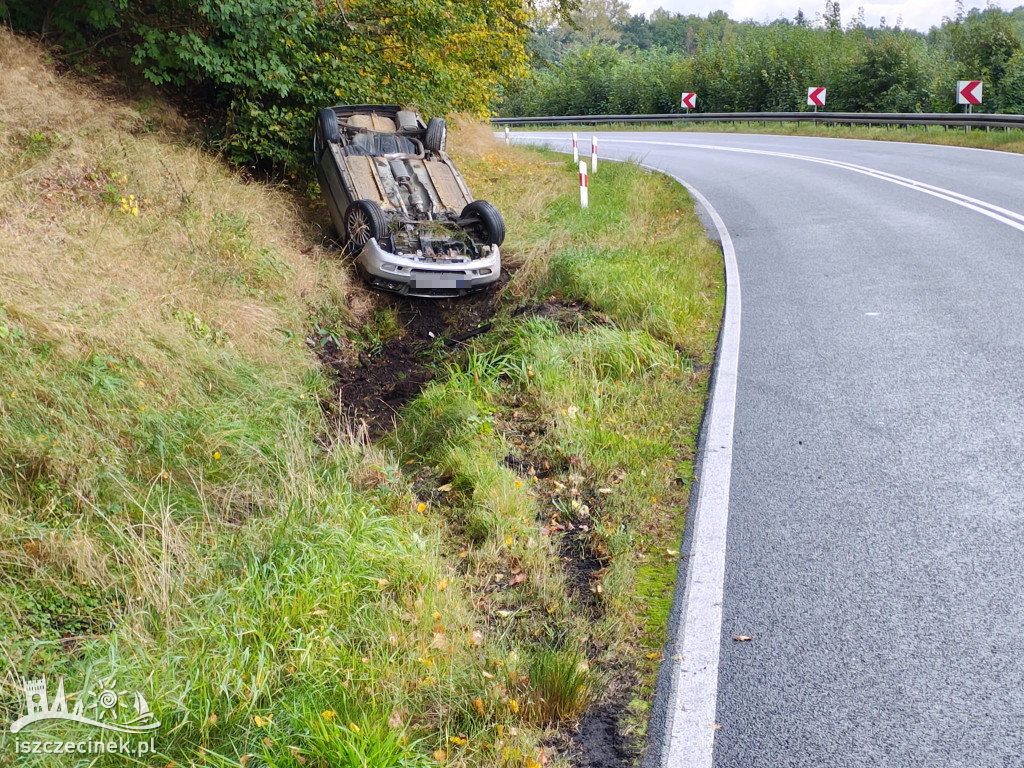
x=374, y=388
x=599, y=741
x=583, y=557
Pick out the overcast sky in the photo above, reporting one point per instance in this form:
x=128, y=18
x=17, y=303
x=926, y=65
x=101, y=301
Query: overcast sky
x=919, y=14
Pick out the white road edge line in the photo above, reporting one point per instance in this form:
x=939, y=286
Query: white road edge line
x=693, y=698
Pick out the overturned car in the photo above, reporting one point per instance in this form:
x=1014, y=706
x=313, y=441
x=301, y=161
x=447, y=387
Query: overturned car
x=400, y=205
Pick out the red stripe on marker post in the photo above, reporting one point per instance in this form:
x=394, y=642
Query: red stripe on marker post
x=575, y=149
x=593, y=154
x=584, y=192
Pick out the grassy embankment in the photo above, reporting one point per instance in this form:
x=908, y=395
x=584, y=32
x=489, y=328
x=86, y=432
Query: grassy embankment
x=171, y=520
x=1006, y=141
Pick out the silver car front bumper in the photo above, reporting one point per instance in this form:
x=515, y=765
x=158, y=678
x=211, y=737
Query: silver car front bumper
x=415, y=277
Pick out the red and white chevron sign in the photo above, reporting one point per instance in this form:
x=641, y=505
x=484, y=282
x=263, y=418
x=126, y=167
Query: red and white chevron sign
x=815, y=97
x=968, y=91
x=689, y=101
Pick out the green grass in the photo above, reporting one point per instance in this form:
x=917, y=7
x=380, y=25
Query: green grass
x=997, y=139
x=172, y=522
x=608, y=399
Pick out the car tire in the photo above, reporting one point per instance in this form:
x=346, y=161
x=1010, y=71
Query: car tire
x=485, y=221
x=326, y=132
x=437, y=135
x=364, y=219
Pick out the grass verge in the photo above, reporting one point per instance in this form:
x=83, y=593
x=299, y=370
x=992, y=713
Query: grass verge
x=171, y=521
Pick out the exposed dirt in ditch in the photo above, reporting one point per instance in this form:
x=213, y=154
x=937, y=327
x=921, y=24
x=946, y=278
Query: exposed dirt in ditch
x=572, y=511
x=372, y=388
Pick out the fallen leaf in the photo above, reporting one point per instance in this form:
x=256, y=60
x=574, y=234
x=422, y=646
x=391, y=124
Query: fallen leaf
x=396, y=720
x=445, y=488
x=715, y=726
x=742, y=638
x=440, y=755
x=212, y=719
x=478, y=705
x=519, y=578
x=488, y=675
x=476, y=637
x=653, y=655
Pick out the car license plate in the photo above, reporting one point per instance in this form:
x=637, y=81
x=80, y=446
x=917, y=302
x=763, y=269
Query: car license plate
x=438, y=281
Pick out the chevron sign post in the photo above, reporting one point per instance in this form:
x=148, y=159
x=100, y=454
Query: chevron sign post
x=968, y=92
x=816, y=98
x=689, y=101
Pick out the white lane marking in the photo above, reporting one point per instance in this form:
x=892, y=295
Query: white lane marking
x=991, y=210
x=693, y=700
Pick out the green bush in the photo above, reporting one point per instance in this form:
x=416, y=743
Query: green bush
x=266, y=66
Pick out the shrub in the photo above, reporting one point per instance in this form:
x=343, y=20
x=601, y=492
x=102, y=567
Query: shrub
x=266, y=66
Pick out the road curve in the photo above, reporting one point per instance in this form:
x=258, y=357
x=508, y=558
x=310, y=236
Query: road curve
x=875, y=534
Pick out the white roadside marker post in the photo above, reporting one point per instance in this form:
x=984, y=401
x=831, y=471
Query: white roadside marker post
x=584, y=196
x=593, y=154
x=508, y=139
x=575, y=149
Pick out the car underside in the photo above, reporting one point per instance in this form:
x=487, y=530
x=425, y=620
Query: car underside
x=401, y=206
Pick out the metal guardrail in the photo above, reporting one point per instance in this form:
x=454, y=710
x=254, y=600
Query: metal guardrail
x=903, y=120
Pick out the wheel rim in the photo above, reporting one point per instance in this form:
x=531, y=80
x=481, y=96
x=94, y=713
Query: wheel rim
x=359, y=230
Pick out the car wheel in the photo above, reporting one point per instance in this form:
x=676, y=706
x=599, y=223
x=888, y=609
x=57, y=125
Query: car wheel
x=325, y=133
x=364, y=220
x=437, y=135
x=485, y=221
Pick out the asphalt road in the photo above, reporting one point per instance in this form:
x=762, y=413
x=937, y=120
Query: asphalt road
x=875, y=540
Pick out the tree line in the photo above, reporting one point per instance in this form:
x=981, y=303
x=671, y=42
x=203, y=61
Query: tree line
x=604, y=60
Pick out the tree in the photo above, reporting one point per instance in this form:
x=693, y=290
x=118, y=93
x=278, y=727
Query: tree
x=982, y=46
x=268, y=65
x=833, y=19
x=599, y=21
